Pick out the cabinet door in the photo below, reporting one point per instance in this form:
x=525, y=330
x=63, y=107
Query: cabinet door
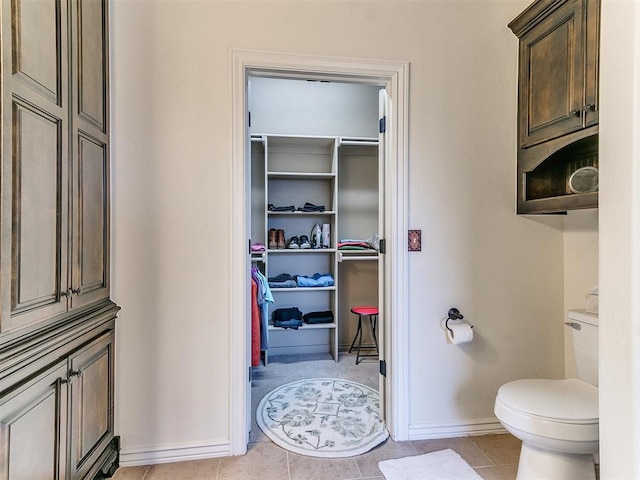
x=592, y=69
x=90, y=155
x=91, y=383
x=35, y=156
x=552, y=76
x=33, y=429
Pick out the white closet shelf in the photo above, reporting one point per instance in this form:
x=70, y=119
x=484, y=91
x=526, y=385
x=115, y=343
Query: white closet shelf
x=300, y=251
x=303, y=289
x=302, y=214
x=301, y=175
x=307, y=326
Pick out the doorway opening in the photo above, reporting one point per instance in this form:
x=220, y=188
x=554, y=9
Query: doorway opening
x=391, y=77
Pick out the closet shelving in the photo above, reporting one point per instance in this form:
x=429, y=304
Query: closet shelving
x=292, y=170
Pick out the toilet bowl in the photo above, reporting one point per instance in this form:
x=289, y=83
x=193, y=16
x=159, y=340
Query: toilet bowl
x=557, y=421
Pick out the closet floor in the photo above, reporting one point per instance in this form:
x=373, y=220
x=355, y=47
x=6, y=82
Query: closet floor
x=283, y=369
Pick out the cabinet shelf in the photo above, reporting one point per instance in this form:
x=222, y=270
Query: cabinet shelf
x=301, y=176
x=303, y=289
x=301, y=214
x=294, y=251
x=307, y=326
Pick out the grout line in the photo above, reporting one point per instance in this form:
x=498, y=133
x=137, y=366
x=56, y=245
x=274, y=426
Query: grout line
x=288, y=465
x=146, y=470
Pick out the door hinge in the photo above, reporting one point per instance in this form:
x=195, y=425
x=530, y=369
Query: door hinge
x=383, y=124
x=250, y=374
x=382, y=246
x=383, y=368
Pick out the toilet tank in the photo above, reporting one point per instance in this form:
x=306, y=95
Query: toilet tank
x=584, y=335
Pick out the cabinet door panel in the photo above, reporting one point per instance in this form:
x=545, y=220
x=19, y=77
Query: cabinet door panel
x=91, y=62
x=37, y=46
x=38, y=235
x=34, y=421
x=91, y=404
x=91, y=222
x=551, y=77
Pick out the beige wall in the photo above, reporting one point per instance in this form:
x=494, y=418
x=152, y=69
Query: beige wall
x=171, y=184
x=580, y=268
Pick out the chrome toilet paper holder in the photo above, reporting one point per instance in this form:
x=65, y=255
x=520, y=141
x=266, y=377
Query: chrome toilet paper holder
x=453, y=314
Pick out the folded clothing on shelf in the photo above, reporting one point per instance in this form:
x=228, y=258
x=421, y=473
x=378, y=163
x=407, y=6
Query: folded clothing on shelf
x=285, y=208
x=310, y=207
x=318, y=317
x=284, y=280
x=317, y=280
x=287, y=317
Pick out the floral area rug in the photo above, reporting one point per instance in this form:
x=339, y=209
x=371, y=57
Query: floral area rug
x=323, y=417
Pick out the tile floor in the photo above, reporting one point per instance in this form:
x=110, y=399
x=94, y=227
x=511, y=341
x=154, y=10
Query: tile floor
x=493, y=457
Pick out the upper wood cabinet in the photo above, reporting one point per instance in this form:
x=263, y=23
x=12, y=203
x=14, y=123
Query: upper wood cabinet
x=557, y=102
x=54, y=223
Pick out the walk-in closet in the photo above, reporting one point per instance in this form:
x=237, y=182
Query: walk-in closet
x=315, y=222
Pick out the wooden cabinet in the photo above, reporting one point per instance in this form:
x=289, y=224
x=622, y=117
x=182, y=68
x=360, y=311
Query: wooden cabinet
x=557, y=102
x=56, y=319
x=55, y=170
x=33, y=429
x=56, y=407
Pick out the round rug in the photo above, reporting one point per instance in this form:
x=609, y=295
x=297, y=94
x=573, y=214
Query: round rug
x=323, y=417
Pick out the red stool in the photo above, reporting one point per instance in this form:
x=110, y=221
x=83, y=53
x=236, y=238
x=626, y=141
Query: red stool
x=372, y=313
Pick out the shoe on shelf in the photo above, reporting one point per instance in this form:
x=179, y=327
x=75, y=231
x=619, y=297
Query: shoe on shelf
x=280, y=239
x=273, y=239
x=294, y=243
x=304, y=242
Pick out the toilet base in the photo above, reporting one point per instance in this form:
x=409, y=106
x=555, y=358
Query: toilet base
x=536, y=463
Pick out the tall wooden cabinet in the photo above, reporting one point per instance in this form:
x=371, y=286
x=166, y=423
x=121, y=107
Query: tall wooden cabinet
x=557, y=102
x=56, y=319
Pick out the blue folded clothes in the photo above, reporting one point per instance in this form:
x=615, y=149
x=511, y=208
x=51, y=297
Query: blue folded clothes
x=285, y=284
x=317, y=280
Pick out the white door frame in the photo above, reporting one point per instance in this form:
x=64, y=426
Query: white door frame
x=395, y=77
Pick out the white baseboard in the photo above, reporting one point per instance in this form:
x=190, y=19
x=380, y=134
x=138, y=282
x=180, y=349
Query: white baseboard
x=131, y=457
x=426, y=431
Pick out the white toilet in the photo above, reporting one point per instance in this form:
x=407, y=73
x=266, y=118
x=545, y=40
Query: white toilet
x=557, y=420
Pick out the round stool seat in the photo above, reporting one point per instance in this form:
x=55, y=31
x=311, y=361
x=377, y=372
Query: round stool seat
x=365, y=310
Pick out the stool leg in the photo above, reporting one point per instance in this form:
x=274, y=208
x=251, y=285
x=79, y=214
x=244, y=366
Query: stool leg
x=373, y=320
x=358, y=332
x=360, y=340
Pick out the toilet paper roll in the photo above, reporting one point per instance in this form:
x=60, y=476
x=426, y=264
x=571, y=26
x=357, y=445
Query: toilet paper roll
x=460, y=333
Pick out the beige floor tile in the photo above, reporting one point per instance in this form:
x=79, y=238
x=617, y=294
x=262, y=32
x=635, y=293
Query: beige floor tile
x=192, y=470
x=498, y=472
x=463, y=446
x=263, y=461
x=502, y=449
x=368, y=462
x=130, y=473
x=312, y=468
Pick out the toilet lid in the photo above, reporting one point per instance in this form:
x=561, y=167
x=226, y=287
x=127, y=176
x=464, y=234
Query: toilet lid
x=570, y=401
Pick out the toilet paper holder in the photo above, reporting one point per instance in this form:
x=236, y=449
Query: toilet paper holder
x=453, y=314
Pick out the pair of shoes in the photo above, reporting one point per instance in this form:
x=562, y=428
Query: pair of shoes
x=294, y=243
x=276, y=239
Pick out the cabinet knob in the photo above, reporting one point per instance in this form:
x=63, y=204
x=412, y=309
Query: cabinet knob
x=77, y=291
x=575, y=113
x=589, y=108
x=75, y=373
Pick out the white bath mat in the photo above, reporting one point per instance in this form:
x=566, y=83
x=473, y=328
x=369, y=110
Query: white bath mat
x=441, y=465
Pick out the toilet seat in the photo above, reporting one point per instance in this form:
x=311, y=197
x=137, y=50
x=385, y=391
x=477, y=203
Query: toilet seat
x=562, y=410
